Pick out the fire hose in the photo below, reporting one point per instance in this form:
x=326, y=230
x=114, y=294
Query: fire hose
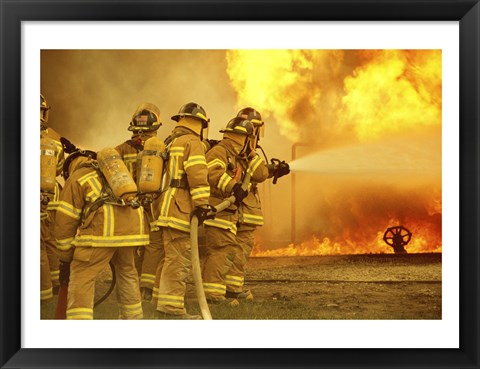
x=196, y=270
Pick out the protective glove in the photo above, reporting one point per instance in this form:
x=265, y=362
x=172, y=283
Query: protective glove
x=64, y=276
x=239, y=193
x=204, y=212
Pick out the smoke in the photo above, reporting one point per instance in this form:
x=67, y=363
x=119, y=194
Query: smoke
x=93, y=93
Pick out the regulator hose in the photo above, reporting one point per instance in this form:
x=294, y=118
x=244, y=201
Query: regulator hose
x=110, y=289
x=196, y=270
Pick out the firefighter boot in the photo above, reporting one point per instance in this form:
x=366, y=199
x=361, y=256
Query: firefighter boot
x=244, y=295
x=232, y=302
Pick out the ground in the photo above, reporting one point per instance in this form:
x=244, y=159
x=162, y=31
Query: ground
x=360, y=287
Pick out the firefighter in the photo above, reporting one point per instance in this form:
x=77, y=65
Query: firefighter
x=49, y=262
x=250, y=211
x=227, y=164
x=92, y=228
x=144, y=124
x=185, y=194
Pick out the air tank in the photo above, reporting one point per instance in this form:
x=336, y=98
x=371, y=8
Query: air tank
x=150, y=170
x=116, y=173
x=48, y=165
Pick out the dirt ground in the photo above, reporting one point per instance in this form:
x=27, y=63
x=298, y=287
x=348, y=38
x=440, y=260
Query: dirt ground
x=374, y=286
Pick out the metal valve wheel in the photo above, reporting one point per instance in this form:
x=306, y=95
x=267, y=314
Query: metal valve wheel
x=397, y=237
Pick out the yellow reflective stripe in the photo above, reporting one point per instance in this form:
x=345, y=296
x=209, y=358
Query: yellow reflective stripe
x=216, y=162
x=131, y=307
x=254, y=164
x=194, y=160
x=64, y=244
x=233, y=280
x=69, y=210
x=86, y=177
x=141, y=220
x=253, y=219
x=54, y=275
x=200, y=192
x=148, y=278
x=53, y=205
x=80, y=313
x=214, y=287
x=43, y=216
x=173, y=222
x=108, y=221
x=171, y=300
x=224, y=181
x=46, y=294
x=222, y=223
x=95, y=185
x=176, y=151
x=167, y=200
x=155, y=293
x=112, y=241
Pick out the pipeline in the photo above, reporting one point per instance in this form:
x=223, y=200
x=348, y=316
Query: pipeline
x=196, y=270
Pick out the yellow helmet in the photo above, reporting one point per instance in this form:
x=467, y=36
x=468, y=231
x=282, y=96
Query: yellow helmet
x=146, y=118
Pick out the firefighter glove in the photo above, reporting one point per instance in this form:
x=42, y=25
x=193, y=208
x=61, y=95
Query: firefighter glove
x=239, y=193
x=64, y=276
x=204, y=212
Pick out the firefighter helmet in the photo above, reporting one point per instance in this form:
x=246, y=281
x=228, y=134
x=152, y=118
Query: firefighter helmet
x=192, y=110
x=44, y=108
x=253, y=116
x=239, y=125
x=146, y=118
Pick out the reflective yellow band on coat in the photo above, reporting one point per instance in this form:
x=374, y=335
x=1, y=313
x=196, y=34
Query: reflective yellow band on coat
x=233, y=280
x=252, y=167
x=215, y=288
x=69, y=210
x=216, y=162
x=95, y=185
x=171, y=300
x=155, y=293
x=221, y=223
x=86, y=177
x=111, y=241
x=172, y=222
x=108, y=221
x=80, y=313
x=46, y=294
x=200, y=192
x=194, y=160
x=65, y=244
x=43, y=216
x=224, y=181
x=53, y=205
x=253, y=219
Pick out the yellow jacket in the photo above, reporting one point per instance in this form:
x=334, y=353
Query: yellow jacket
x=129, y=152
x=250, y=212
x=107, y=226
x=186, y=184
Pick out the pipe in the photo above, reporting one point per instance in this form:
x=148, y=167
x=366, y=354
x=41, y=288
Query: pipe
x=196, y=270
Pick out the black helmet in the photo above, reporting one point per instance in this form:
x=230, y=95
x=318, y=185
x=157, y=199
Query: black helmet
x=240, y=126
x=145, y=118
x=192, y=110
x=44, y=108
x=252, y=115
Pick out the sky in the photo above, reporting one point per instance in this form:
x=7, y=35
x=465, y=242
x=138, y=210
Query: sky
x=364, y=128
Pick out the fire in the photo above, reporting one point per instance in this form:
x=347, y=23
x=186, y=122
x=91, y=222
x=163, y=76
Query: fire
x=357, y=100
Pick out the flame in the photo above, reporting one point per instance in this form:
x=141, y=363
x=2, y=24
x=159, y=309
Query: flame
x=333, y=98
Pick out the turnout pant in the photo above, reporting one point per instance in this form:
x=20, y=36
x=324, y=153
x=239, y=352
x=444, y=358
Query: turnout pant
x=154, y=254
x=172, y=273
x=87, y=263
x=221, y=250
x=46, y=291
x=235, y=277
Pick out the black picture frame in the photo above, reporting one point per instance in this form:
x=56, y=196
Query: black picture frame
x=466, y=12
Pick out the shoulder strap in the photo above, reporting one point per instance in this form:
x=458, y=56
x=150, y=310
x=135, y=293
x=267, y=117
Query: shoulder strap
x=135, y=145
